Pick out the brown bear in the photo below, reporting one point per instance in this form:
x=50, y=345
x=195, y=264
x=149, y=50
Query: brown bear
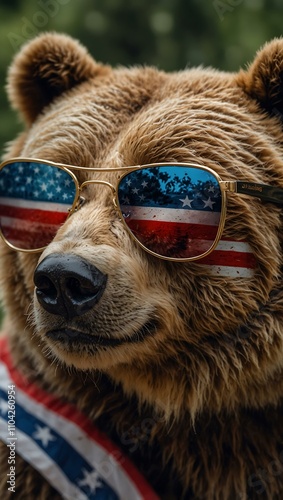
x=141, y=274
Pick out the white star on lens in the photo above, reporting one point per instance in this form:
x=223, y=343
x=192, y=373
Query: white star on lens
x=126, y=200
x=208, y=203
x=187, y=202
x=44, y=435
x=128, y=182
x=58, y=173
x=142, y=197
x=135, y=191
x=3, y=407
x=65, y=196
x=144, y=184
x=29, y=179
x=43, y=186
x=211, y=189
x=58, y=189
x=36, y=170
x=21, y=169
x=91, y=479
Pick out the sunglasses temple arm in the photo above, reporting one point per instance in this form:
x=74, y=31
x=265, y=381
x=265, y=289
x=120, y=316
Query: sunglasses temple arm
x=265, y=192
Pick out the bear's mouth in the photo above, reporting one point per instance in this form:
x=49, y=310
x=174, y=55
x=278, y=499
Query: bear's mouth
x=72, y=337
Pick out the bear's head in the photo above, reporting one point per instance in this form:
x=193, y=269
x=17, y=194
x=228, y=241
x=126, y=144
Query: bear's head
x=184, y=336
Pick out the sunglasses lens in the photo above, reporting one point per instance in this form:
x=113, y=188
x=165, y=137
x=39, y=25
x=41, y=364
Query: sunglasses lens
x=173, y=211
x=35, y=199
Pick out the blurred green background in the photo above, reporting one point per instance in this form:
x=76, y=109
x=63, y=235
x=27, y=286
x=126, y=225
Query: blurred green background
x=170, y=34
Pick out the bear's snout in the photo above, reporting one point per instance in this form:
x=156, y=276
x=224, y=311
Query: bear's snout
x=67, y=285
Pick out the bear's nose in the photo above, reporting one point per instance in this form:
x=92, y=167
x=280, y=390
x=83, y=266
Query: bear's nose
x=68, y=285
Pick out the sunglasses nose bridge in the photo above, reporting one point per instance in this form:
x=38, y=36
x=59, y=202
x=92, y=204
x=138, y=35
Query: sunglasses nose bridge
x=103, y=183
x=96, y=181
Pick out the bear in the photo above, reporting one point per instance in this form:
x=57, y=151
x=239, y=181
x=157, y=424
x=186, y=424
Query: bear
x=169, y=342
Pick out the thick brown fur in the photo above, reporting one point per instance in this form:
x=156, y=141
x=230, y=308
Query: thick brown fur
x=197, y=403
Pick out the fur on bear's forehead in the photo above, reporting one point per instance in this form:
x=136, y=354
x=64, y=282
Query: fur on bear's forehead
x=145, y=114
x=180, y=117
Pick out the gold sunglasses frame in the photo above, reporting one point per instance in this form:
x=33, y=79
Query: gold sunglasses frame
x=264, y=192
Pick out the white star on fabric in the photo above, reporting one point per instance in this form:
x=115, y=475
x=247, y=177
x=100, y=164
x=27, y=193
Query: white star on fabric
x=91, y=479
x=44, y=435
x=208, y=203
x=187, y=202
x=3, y=407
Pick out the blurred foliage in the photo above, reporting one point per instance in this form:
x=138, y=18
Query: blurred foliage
x=170, y=34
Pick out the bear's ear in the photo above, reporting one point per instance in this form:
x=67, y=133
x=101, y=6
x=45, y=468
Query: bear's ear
x=263, y=80
x=46, y=67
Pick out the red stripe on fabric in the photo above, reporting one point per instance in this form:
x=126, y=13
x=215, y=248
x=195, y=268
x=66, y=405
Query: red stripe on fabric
x=70, y=412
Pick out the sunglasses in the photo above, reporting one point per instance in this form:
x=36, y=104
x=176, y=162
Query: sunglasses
x=175, y=211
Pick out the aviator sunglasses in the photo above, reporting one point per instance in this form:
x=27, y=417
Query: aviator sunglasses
x=175, y=211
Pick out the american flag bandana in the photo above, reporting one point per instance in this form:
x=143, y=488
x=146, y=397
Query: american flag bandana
x=175, y=212
x=79, y=461
x=34, y=202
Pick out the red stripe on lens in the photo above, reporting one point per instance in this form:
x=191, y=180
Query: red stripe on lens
x=29, y=240
x=30, y=214
x=145, y=229
x=230, y=258
x=172, y=239
x=30, y=229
